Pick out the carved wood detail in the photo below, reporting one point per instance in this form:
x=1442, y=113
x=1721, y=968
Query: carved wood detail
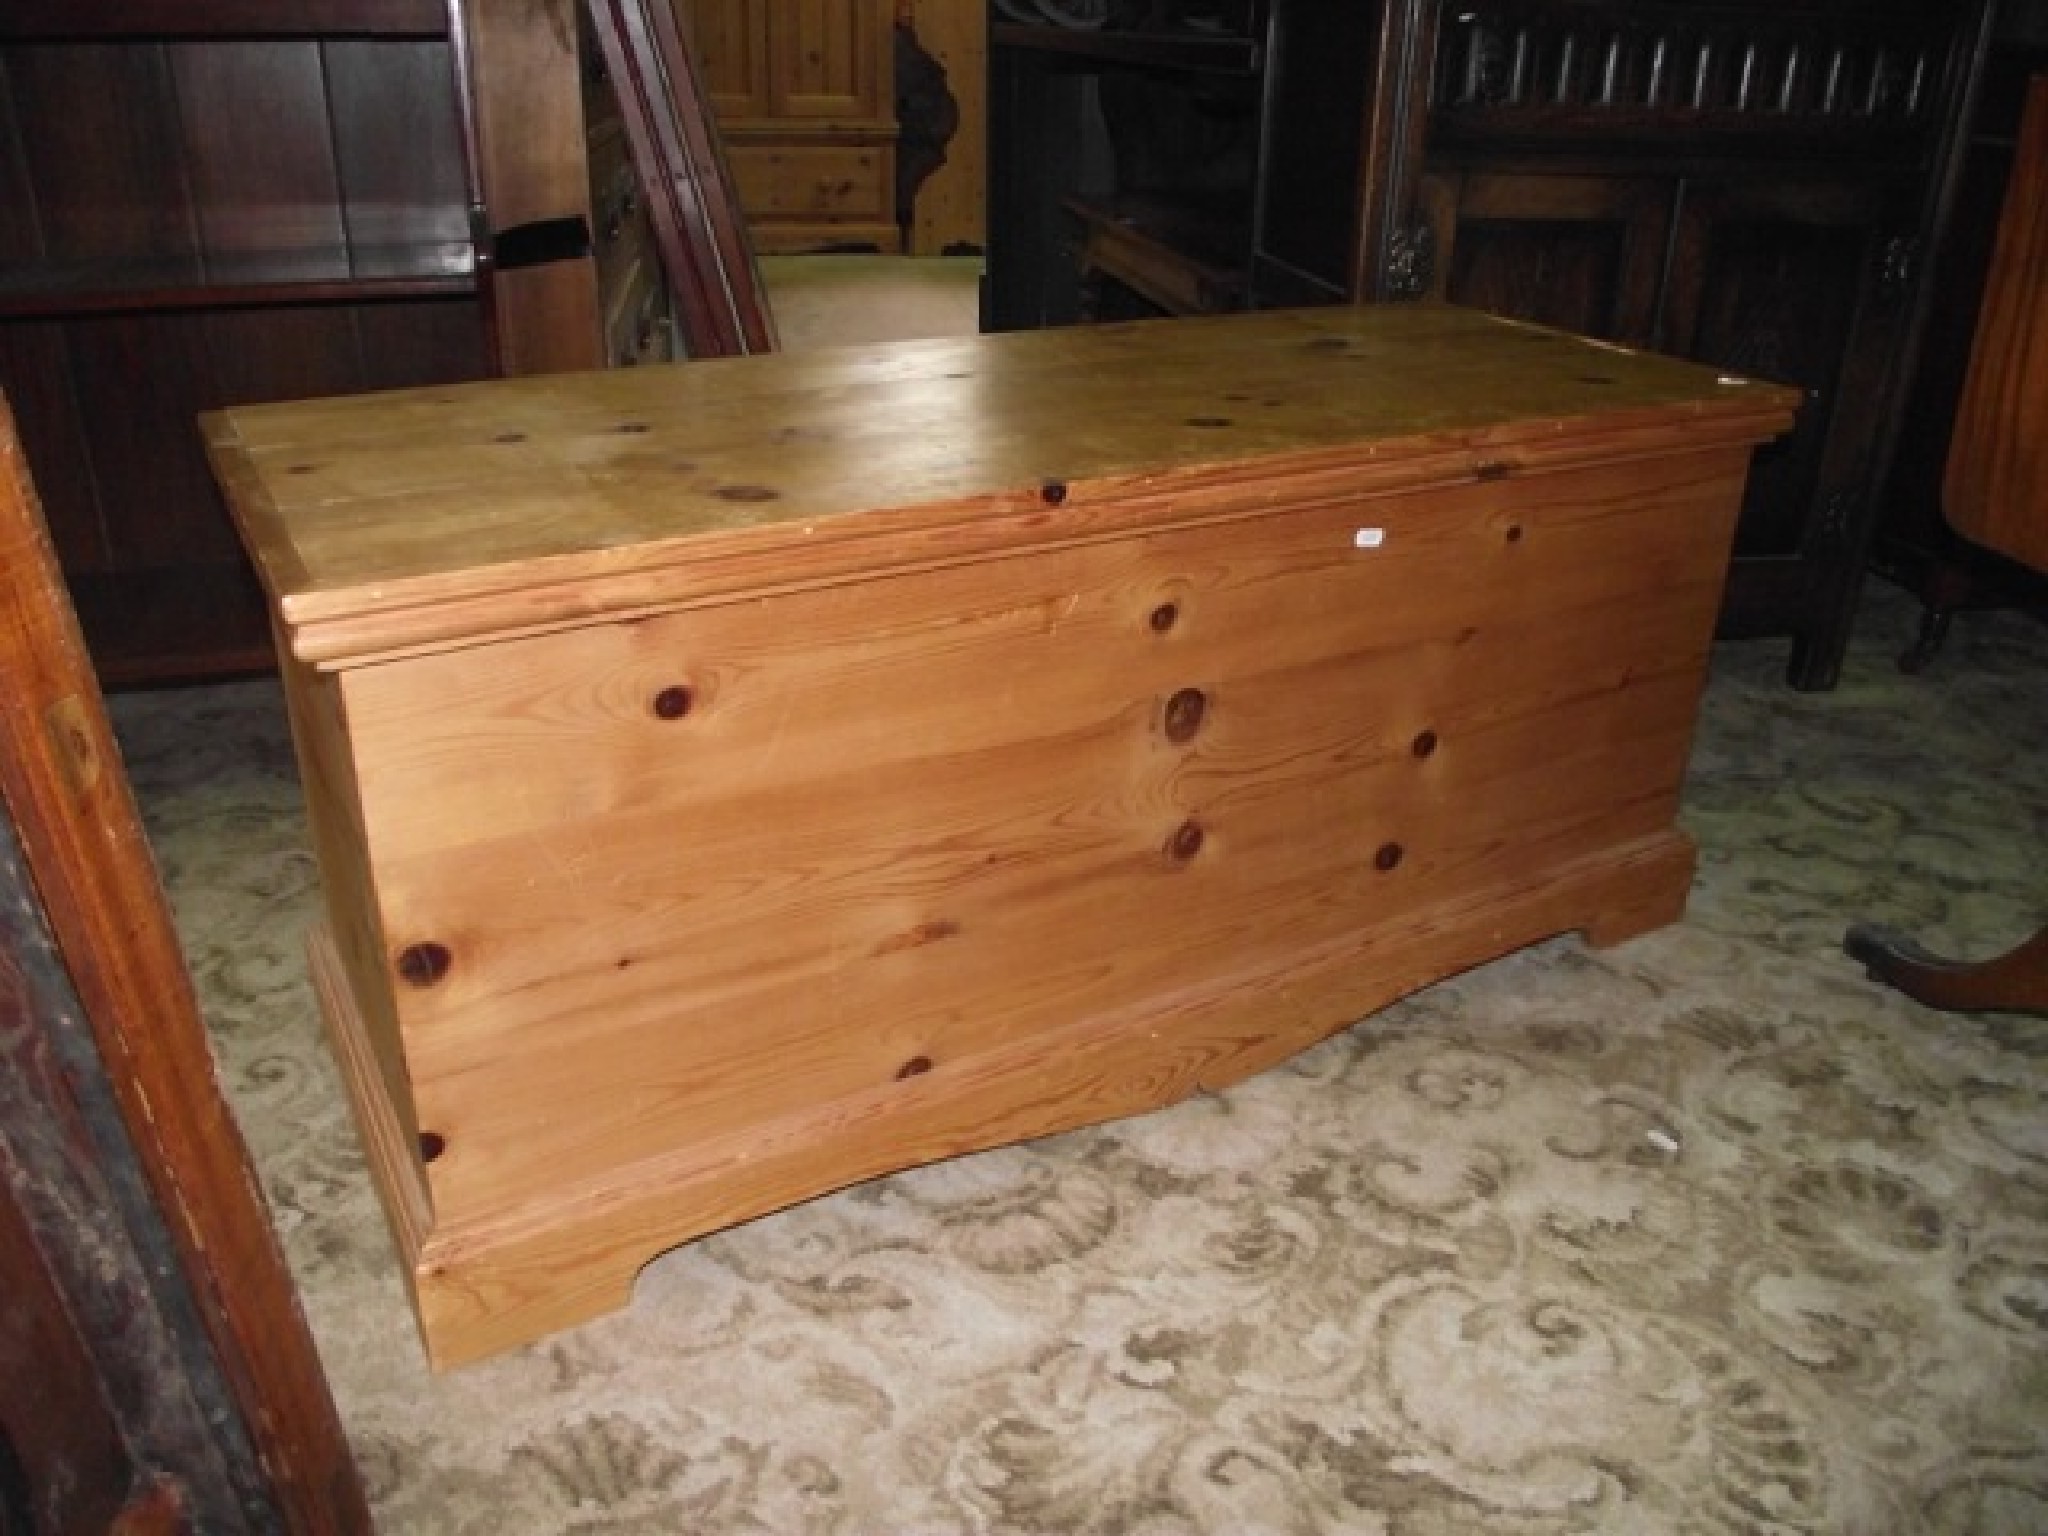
x=1769, y=63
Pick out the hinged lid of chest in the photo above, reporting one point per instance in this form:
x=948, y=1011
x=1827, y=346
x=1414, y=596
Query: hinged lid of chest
x=389, y=523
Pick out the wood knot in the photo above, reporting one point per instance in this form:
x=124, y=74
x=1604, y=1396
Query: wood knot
x=423, y=964
x=1184, y=714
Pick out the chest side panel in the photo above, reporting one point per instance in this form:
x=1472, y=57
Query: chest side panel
x=704, y=871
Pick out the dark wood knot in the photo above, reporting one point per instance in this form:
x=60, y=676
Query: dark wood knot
x=1164, y=617
x=423, y=964
x=1186, y=841
x=1424, y=743
x=673, y=702
x=917, y=1066
x=1388, y=856
x=432, y=1145
x=1053, y=493
x=1184, y=714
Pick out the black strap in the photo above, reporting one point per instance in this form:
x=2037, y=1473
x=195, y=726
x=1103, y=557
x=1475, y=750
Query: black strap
x=541, y=242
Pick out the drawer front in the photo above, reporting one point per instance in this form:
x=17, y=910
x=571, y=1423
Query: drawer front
x=690, y=875
x=815, y=182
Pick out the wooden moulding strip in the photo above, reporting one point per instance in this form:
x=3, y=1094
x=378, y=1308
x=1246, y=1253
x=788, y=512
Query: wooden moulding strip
x=445, y=609
x=486, y=1285
x=394, y=1166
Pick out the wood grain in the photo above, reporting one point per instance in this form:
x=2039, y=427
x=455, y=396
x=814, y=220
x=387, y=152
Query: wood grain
x=485, y=1288
x=428, y=515
x=840, y=928
x=267, y=193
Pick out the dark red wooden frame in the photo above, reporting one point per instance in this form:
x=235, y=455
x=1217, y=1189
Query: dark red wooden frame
x=697, y=222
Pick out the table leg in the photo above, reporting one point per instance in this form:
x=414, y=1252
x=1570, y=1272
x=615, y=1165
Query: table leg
x=2014, y=982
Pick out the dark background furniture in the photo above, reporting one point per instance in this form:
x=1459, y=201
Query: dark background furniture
x=1914, y=544
x=1994, y=495
x=223, y=201
x=1760, y=187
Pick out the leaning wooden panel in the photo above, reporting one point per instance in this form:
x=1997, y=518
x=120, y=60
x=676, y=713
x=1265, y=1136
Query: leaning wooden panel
x=82, y=843
x=745, y=778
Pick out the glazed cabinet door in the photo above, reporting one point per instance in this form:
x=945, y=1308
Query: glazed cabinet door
x=1803, y=283
x=1581, y=253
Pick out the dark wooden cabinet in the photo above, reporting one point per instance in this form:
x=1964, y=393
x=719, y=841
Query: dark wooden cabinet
x=1123, y=159
x=1759, y=187
x=213, y=202
x=1585, y=253
x=197, y=215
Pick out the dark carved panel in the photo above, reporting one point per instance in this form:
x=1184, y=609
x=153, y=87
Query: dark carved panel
x=1583, y=253
x=1868, y=71
x=1563, y=275
x=1777, y=301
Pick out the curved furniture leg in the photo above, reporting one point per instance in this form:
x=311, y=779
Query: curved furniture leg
x=2014, y=982
x=1934, y=623
x=1944, y=589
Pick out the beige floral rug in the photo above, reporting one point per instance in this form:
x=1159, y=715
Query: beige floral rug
x=1702, y=1234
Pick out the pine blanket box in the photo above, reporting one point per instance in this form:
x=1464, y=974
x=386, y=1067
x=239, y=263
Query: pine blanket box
x=737, y=779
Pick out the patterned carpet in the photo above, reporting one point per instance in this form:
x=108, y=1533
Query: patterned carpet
x=1701, y=1234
